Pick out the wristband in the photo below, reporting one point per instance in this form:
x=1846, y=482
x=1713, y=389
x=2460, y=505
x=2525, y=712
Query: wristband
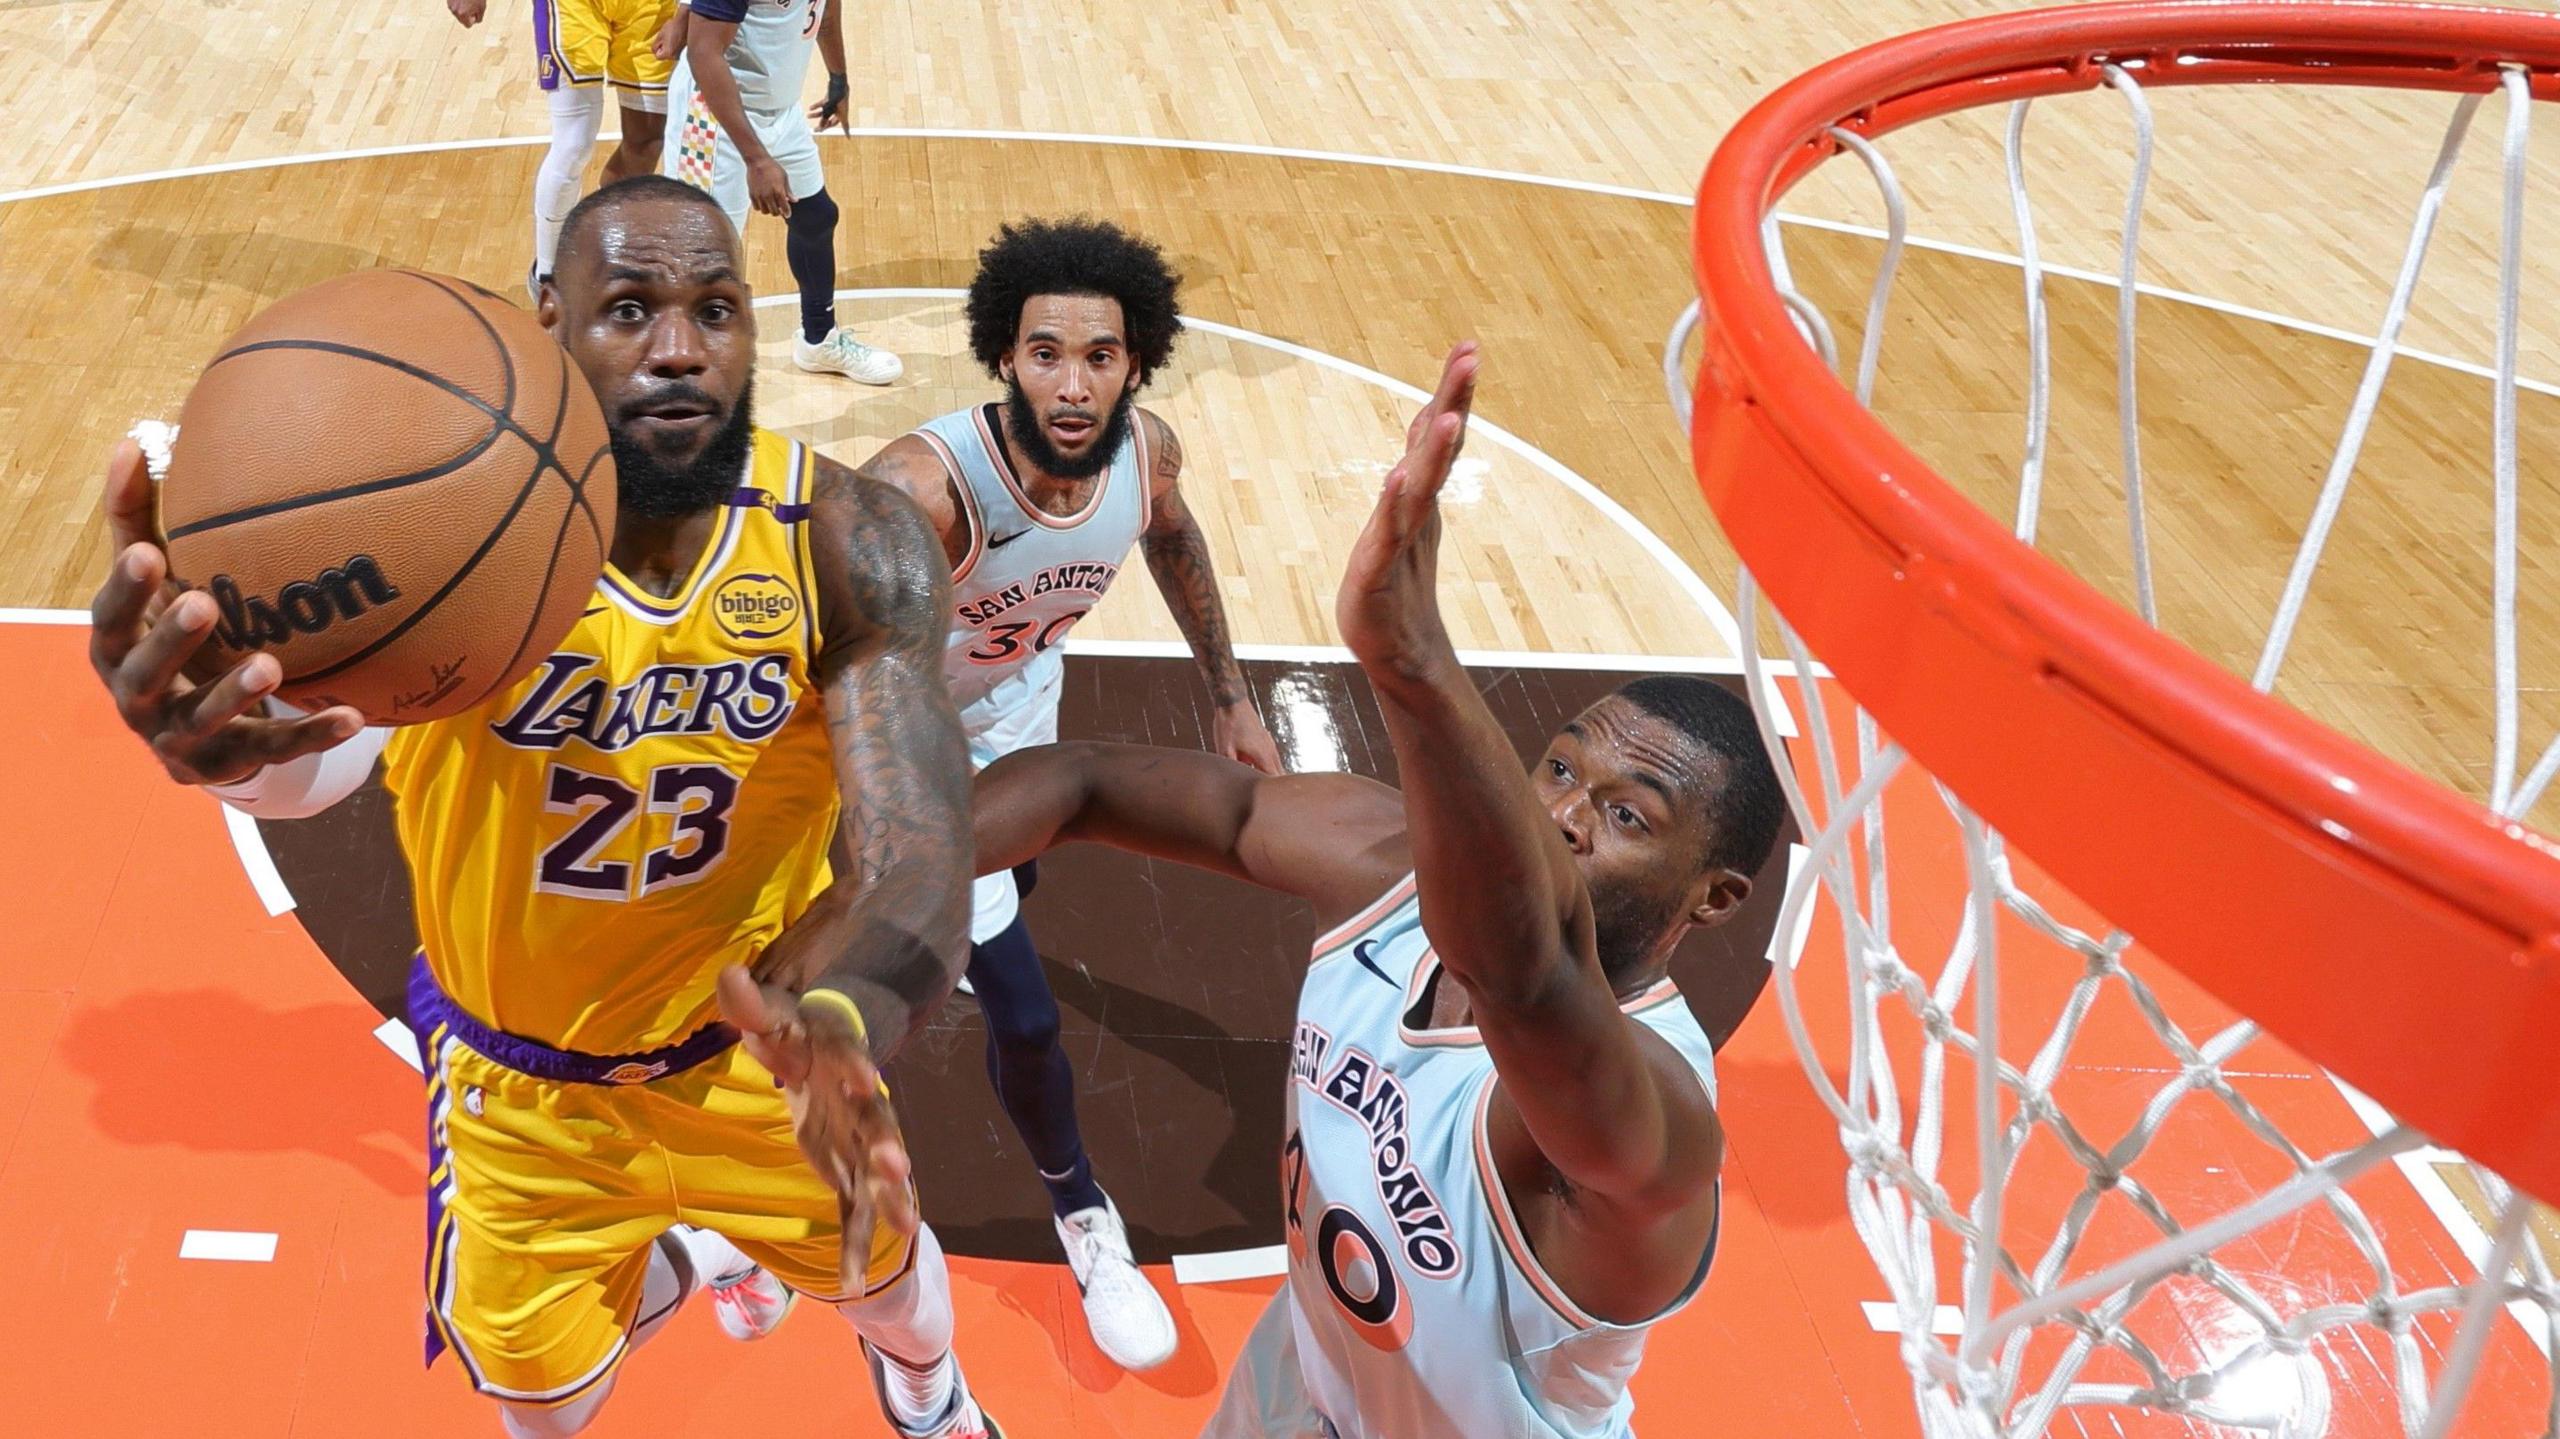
x=837, y=999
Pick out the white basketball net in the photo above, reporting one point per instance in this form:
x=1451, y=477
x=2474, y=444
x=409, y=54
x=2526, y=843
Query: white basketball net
x=2044, y=1323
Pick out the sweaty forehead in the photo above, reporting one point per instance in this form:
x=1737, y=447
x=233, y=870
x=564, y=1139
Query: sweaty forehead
x=1628, y=734
x=672, y=243
x=1073, y=316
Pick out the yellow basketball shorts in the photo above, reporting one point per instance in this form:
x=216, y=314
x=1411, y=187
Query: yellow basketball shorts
x=544, y=1199
x=594, y=42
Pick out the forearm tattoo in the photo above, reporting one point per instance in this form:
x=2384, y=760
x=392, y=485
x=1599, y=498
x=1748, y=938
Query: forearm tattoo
x=1178, y=556
x=900, y=758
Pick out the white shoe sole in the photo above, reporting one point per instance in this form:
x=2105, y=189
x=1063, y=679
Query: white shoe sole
x=888, y=379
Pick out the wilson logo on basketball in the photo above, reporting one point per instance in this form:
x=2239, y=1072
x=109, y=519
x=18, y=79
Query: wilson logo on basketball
x=755, y=607
x=304, y=607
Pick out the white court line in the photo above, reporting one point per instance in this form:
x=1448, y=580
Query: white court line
x=251, y=846
x=1335, y=157
x=2418, y=1166
x=397, y=1038
x=240, y=1246
x=10, y=616
x=1472, y=659
x=1231, y=1264
x=1882, y=1318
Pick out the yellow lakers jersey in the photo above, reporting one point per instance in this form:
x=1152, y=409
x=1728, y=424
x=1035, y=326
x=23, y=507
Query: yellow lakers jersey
x=654, y=801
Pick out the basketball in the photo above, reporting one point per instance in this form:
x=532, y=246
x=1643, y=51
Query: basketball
x=396, y=484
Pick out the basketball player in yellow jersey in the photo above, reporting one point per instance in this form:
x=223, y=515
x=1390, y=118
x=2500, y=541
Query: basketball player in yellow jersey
x=646, y=813
x=581, y=48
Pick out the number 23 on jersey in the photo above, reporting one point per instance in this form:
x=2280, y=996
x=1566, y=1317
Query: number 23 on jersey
x=695, y=800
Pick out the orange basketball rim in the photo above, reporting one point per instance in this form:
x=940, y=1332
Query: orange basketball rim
x=2398, y=933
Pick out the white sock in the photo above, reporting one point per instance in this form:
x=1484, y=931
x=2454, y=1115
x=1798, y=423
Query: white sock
x=662, y=1292
x=715, y=1259
x=909, y=1323
x=577, y=117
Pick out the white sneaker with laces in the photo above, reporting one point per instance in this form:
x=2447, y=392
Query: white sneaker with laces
x=750, y=1304
x=1130, y=1324
x=841, y=354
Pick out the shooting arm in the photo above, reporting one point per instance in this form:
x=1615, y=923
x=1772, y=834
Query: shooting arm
x=305, y=785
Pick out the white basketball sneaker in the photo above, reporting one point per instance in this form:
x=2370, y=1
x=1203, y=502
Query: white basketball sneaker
x=751, y=1304
x=1129, y=1321
x=841, y=354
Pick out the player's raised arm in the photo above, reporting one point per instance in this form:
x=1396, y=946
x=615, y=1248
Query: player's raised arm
x=1334, y=840
x=1178, y=557
x=1612, y=1108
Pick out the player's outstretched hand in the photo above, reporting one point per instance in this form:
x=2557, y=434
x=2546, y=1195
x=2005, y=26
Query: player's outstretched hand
x=146, y=641
x=469, y=12
x=839, y=1107
x=1387, y=607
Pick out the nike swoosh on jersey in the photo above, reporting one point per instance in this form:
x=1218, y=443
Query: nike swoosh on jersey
x=994, y=544
x=1360, y=952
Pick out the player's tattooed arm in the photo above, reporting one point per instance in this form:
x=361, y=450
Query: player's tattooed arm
x=1178, y=557
x=893, y=932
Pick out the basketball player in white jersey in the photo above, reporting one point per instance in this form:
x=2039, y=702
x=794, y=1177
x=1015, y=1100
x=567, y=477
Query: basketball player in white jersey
x=1502, y=1155
x=742, y=136
x=1040, y=497
x=580, y=47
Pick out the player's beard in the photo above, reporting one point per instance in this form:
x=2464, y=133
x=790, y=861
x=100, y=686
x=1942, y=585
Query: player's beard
x=652, y=488
x=1626, y=927
x=1022, y=426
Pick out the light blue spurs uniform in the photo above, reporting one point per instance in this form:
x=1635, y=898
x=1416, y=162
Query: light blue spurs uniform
x=1027, y=578
x=1414, y=1308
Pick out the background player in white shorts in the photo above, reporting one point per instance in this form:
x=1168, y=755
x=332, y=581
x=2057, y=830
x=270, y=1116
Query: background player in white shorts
x=1039, y=498
x=1501, y=1161
x=742, y=136
x=579, y=48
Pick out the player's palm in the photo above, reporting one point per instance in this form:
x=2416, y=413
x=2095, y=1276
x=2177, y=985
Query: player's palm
x=1387, y=607
x=839, y=1108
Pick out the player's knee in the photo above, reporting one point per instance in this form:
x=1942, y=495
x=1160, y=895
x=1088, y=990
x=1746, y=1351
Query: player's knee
x=813, y=214
x=1022, y=1024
